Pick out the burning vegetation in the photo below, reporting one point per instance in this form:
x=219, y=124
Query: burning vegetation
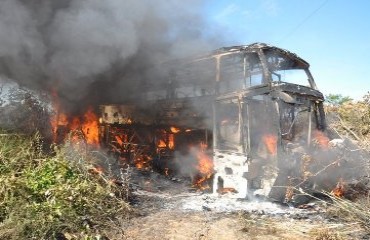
x=87, y=124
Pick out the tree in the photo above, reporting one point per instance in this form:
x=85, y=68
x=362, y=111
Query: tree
x=337, y=99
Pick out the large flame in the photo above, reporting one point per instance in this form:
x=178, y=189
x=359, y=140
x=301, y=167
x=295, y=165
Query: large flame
x=90, y=127
x=88, y=123
x=205, y=167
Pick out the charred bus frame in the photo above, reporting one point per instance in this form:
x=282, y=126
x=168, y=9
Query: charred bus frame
x=261, y=105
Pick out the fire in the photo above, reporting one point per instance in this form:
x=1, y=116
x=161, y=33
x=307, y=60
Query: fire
x=321, y=138
x=339, y=190
x=90, y=127
x=88, y=124
x=226, y=190
x=175, y=129
x=171, y=141
x=168, y=142
x=205, y=164
x=143, y=162
x=270, y=141
x=62, y=119
x=119, y=140
x=204, y=167
x=162, y=144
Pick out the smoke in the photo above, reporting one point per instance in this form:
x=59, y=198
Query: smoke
x=93, y=51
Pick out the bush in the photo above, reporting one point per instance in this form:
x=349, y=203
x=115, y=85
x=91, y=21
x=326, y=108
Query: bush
x=53, y=197
x=352, y=119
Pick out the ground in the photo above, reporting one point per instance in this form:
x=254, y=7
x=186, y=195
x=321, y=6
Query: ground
x=169, y=209
x=224, y=226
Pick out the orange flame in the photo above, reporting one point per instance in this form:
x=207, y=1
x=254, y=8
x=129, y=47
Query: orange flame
x=321, y=138
x=119, y=140
x=205, y=163
x=143, y=162
x=339, y=190
x=88, y=123
x=226, y=190
x=175, y=129
x=270, y=141
x=90, y=127
x=162, y=144
x=205, y=167
x=171, y=141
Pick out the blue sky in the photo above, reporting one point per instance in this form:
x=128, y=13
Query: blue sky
x=332, y=35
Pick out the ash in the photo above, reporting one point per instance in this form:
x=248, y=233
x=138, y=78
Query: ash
x=154, y=192
x=210, y=202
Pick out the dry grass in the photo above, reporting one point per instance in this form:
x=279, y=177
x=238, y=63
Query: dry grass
x=352, y=211
x=326, y=234
x=255, y=225
x=352, y=119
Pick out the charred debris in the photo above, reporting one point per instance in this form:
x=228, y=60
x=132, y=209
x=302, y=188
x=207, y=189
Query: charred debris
x=242, y=121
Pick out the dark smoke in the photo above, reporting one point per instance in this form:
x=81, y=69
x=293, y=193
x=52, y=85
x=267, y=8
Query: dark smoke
x=94, y=51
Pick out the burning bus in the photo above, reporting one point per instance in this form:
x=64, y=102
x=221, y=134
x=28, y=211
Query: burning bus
x=239, y=120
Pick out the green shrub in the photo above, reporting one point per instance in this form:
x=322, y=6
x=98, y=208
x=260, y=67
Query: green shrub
x=45, y=197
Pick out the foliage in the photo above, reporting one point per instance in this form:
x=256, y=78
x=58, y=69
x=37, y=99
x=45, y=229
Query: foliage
x=53, y=197
x=337, y=99
x=357, y=115
x=352, y=119
x=24, y=111
x=366, y=98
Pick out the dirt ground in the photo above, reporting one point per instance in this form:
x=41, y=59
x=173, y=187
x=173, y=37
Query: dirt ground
x=175, y=225
x=168, y=211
